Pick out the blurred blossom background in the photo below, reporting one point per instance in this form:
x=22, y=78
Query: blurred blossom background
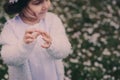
x=93, y=28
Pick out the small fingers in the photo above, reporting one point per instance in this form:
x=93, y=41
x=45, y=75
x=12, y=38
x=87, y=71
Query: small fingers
x=46, y=37
x=27, y=41
x=46, y=45
x=45, y=34
x=28, y=36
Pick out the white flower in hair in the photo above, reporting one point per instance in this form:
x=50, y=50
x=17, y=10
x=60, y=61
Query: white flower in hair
x=13, y=1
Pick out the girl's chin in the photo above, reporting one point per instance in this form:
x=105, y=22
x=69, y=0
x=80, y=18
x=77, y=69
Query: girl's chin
x=41, y=16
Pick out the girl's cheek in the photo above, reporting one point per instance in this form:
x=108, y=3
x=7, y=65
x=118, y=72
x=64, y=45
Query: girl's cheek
x=49, y=4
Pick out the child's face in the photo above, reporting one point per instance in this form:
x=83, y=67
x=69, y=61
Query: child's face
x=39, y=8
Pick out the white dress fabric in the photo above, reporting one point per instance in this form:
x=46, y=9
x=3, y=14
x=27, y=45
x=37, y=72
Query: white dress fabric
x=31, y=61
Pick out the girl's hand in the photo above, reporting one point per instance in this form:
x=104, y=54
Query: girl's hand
x=30, y=35
x=46, y=37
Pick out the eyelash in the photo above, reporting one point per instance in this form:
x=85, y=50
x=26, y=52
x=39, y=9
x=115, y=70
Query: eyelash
x=38, y=2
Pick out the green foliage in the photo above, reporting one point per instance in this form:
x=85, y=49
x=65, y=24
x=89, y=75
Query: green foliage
x=94, y=32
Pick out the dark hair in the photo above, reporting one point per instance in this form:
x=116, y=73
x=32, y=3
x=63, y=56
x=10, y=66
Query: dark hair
x=14, y=8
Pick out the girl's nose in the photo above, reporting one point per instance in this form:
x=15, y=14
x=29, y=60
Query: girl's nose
x=44, y=5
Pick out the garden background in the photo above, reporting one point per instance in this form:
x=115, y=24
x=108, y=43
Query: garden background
x=93, y=28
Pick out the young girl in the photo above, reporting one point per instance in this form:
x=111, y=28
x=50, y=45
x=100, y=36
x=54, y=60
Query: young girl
x=33, y=42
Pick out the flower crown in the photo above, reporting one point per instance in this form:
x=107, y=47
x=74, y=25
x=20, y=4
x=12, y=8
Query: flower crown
x=13, y=1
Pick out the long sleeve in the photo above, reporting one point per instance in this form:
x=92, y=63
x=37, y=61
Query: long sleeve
x=60, y=47
x=14, y=51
